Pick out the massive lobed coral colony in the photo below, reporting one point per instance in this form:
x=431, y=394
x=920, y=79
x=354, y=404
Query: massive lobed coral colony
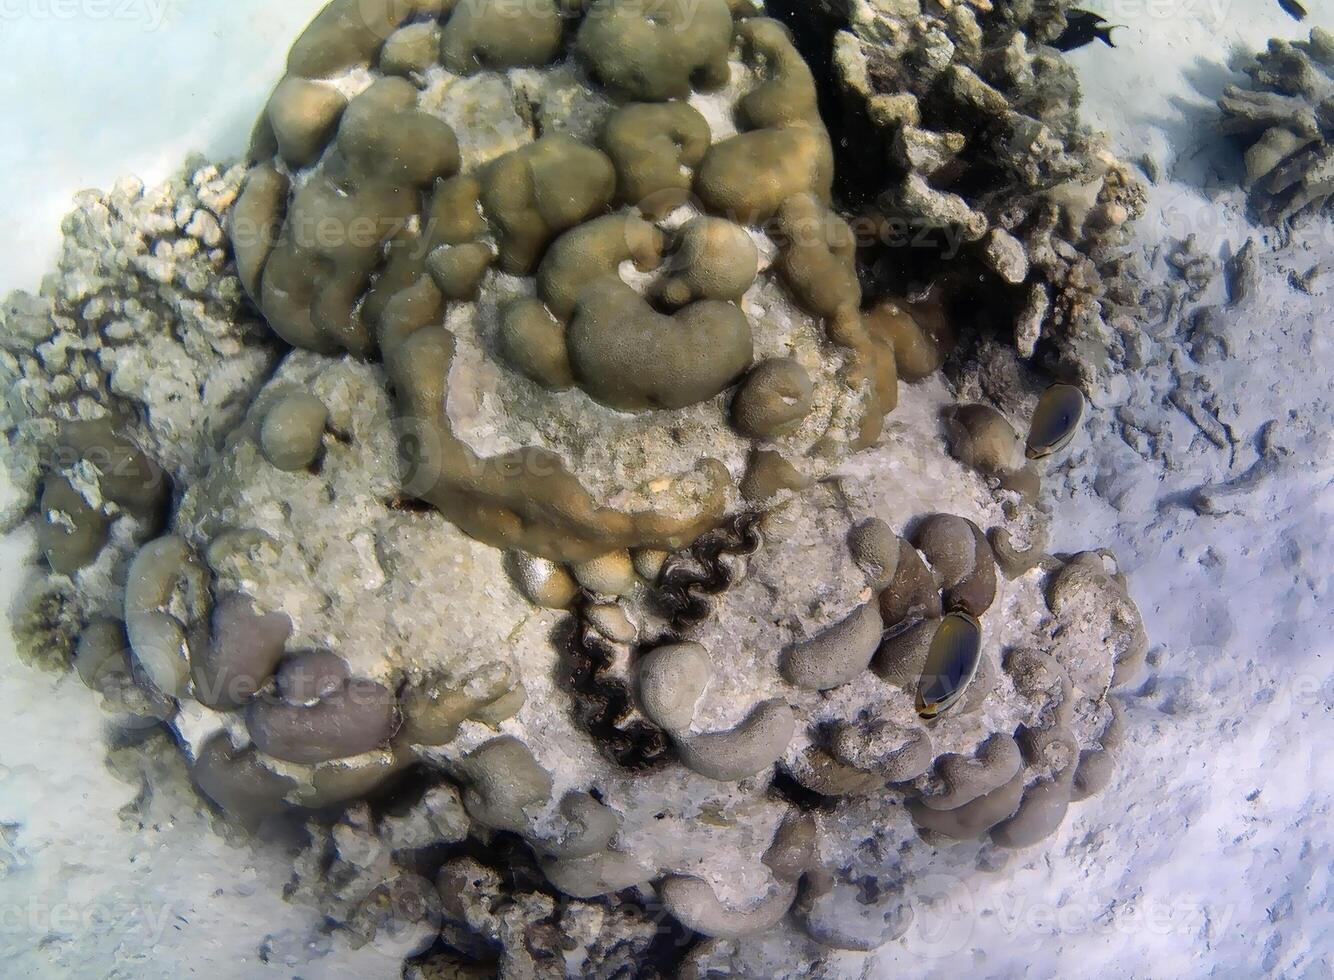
x=488, y=275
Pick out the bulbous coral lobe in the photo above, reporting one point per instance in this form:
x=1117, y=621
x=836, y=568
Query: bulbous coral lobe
x=241, y=655
x=774, y=399
x=526, y=499
x=353, y=718
x=751, y=746
x=629, y=357
x=671, y=680
x=980, y=437
x=237, y=782
x=75, y=529
x=838, y=654
x=163, y=571
x=293, y=431
x=695, y=904
x=963, y=560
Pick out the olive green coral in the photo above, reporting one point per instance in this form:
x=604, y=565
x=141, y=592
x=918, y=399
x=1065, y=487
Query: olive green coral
x=540, y=190
x=293, y=431
x=532, y=341
x=599, y=244
x=651, y=51
x=629, y=356
x=655, y=149
x=712, y=258
x=491, y=34
x=592, y=251
x=73, y=531
x=774, y=398
x=118, y=479
x=339, y=221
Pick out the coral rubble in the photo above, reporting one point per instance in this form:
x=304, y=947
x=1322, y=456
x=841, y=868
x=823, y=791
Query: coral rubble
x=1284, y=118
x=979, y=181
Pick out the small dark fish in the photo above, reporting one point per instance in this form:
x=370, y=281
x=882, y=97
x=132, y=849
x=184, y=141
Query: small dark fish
x=1084, y=26
x=1293, y=9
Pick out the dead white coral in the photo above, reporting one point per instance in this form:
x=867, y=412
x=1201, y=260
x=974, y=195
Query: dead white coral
x=1283, y=117
x=1090, y=596
x=143, y=320
x=121, y=376
x=840, y=915
x=943, y=93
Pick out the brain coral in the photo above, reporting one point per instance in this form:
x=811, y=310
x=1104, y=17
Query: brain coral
x=600, y=275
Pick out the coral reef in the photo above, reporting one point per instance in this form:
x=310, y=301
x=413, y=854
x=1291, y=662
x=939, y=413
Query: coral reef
x=1283, y=117
x=569, y=584
x=122, y=375
x=977, y=181
x=596, y=305
x=832, y=704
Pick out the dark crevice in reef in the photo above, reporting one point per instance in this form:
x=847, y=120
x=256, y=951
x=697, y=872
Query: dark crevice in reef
x=668, y=953
x=510, y=857
x=409, y=505
x=863, y=168
x=405, y=790
x=787, y=789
